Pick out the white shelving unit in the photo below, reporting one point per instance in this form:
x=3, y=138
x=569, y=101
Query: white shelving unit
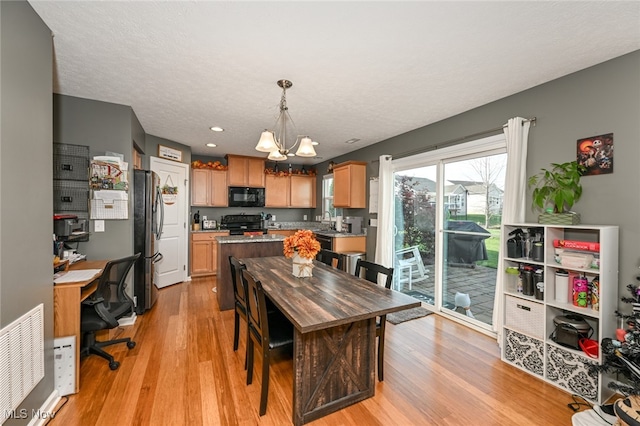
x=528, y=322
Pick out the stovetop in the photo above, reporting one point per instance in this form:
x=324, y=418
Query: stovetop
x=238, y=224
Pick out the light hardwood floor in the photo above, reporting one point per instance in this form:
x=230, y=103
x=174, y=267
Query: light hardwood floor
x=183, y=371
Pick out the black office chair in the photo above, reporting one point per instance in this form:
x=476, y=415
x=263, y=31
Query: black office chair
x=103, y=309
x=270, y=331
x=240, y=296
x=371, y=271
x=327, y=257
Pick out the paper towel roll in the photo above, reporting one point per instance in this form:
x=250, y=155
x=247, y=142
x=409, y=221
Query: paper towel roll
x=562, y=287
x=338, y=223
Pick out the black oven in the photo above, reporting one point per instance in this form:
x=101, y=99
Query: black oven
x=240, y=196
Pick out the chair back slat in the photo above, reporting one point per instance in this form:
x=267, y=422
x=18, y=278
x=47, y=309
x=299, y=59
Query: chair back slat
x=239, y=287
x=256, y=308
x=331, y=258
x=371, y=271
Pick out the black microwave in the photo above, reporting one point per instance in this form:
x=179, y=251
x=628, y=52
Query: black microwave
x=240, y=196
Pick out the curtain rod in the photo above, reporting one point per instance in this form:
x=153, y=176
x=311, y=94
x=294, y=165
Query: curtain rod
x=456, y=140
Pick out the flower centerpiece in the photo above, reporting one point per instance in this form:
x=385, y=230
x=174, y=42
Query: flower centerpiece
x=302, y=247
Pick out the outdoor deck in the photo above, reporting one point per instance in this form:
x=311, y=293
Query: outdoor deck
x=477, y=281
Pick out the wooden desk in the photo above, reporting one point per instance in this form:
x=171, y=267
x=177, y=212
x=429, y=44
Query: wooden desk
x=67, y=299
x=333, y=314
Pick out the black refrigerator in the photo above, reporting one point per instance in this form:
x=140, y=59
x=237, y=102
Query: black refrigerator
x=147, y=227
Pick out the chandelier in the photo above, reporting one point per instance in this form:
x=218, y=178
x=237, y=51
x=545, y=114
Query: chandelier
x=275, y=141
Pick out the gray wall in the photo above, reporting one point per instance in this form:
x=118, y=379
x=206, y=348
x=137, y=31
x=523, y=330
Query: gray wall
x=26, y=153
x=601, y=99
x=103, y=127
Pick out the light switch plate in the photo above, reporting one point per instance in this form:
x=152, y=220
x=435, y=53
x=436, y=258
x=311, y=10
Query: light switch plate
x=98, y=226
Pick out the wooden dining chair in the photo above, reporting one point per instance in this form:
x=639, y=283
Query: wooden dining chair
x=371, y=271
x=331, y=258
x=271, y=331
x=240, y=302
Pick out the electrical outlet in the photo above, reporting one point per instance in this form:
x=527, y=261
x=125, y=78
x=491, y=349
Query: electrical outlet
x=98, y=226
x=304, y=217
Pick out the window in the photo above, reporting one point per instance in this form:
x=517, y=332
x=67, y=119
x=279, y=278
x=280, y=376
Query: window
x=327, y=196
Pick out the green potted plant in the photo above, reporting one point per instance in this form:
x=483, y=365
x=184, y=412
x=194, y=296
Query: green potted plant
x=555, y=191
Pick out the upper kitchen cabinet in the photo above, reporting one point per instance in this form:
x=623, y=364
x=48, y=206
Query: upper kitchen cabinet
x=298, y=191
x=350, y=184
x=277, y=191
x=303, y=191
x=209, y=188
x=245, y=171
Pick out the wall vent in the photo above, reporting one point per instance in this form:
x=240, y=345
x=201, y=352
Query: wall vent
x=21, y=359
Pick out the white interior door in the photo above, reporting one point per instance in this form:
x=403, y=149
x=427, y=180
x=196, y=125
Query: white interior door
x=172, y=268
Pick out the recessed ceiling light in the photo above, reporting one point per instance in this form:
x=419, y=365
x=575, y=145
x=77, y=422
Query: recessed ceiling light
x=216, y=129
x=352, y=140
x=314, y=143
x=211, y=145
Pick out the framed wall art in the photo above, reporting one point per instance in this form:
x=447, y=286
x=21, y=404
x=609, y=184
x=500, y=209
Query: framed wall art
x=169, y=153
x=595, y=153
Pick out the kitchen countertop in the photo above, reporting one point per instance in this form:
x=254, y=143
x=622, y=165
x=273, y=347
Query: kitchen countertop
x=334, y=234
x=267, y=238
x=209, y=230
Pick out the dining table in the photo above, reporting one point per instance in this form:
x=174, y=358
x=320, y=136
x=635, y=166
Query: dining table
x=334, y=318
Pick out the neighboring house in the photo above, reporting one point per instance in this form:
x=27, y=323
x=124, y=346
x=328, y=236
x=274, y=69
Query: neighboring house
x=460, y=197
x=476, y=195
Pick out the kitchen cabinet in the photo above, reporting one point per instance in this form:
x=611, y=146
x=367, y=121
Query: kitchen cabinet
x=277, y=191
x=285, y=232
x=350, y=244
x=303, y=191
x=204, y=253
x=297, y=191
x=350, y=184
x=528, y=329
x=209, y=188
x=245, y=171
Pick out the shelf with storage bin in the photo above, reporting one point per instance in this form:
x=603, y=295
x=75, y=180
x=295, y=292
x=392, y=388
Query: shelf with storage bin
x=529, y=322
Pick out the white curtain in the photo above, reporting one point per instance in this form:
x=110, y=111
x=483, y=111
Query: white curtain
x=384, y=238
x=517, y=135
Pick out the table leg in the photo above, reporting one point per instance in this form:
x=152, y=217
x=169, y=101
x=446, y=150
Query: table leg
x=333, y=368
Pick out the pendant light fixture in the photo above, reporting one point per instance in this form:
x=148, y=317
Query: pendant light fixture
x=275, y=141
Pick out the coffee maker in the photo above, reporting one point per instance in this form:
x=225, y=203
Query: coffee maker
x=352, y=224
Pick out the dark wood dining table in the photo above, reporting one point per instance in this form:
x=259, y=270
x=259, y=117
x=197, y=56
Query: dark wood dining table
x=334, y=317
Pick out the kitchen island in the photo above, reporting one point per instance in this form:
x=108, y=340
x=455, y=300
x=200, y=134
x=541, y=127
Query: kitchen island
x=241, y=246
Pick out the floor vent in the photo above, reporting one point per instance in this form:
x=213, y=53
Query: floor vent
x=21, y=359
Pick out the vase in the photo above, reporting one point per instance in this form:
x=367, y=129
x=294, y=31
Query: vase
x=302, y=267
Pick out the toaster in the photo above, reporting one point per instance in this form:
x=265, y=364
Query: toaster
x=209, y=224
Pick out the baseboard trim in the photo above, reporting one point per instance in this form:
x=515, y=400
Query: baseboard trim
x=46, y=411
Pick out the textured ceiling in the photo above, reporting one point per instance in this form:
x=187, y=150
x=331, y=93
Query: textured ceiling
x=366, y=70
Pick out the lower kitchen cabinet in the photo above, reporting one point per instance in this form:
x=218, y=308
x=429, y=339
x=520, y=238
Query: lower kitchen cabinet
x=285, y=232
x=350, y=244
x=204, y=253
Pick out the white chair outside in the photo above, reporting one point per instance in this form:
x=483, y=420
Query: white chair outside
x=409, y=268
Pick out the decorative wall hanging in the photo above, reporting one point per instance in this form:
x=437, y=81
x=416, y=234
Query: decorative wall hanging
x=169, y=192
x=169, y=153
x=595, y=153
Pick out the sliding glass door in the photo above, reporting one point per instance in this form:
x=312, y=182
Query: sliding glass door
x=448, y=207
x=415, y=236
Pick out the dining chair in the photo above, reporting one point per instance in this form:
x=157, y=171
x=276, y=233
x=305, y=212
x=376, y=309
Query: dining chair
x=103, y=309
x=328, y=257
x=240, y=302
x=270, y=331
x=371, y=271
